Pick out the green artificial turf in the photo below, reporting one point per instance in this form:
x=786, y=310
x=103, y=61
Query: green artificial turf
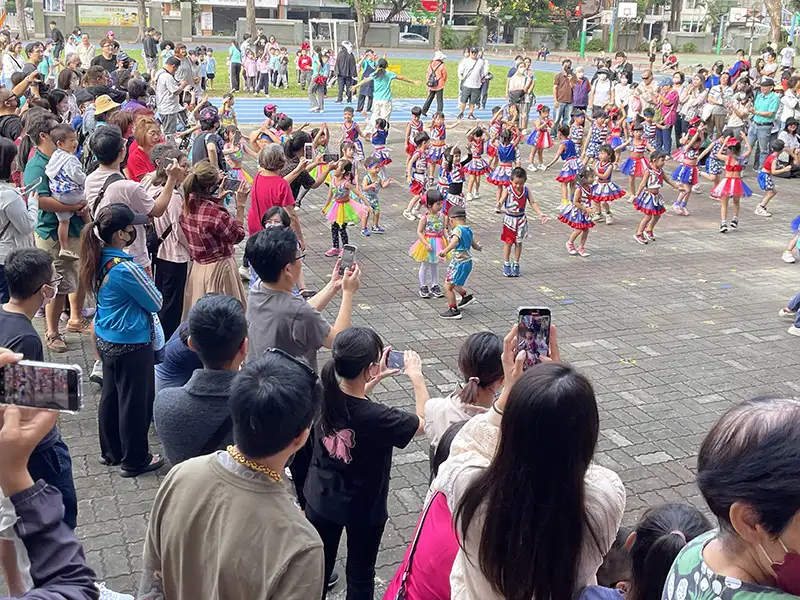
x=412, y=68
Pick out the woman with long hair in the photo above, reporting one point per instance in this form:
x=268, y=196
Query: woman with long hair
x=212, y=234
x=348, y=481
x=12, y=62
x=124, y=328
x=536, y=499
x=17, y=217
x=147, y=134
x=320, y=71
x=69, y=81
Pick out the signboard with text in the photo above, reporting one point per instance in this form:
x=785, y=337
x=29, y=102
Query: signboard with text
x=107, y=16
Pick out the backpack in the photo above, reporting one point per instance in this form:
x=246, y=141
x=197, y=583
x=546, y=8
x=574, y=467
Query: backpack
x=433, y=81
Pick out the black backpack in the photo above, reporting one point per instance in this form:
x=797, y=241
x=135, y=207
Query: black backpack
x=433, y=81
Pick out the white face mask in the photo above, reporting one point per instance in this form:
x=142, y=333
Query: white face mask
x=48, y=299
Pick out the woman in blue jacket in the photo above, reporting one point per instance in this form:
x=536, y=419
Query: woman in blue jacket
x=123, y=325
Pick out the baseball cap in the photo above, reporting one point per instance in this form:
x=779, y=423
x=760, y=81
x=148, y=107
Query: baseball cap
x=115, y=217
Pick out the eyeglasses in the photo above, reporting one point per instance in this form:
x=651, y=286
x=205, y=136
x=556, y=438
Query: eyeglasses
x=301, y=257
x=56, y=282
x=300, y=363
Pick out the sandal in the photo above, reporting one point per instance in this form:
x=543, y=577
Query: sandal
x=106, y=463
x=55, y=342
x=156, y=462
x=81, y=326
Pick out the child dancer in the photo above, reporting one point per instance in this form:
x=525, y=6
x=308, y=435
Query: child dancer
x=539, y=138
x=417, y=174
x=234, y=151
x=227, y=114
x=649, y=126
x=350, y=133
x=495, y=129
x=454, y=173
x=438, y=136
x=788, y=254
x=572, y=166
x=413, y=129
x=577, y=129
x=372, y=184
x=379, y=150
x=714, y=165
x=426, y=250
x=477, y=166
x=461, y=242
x=597, y=138
x=765, y=181
x=577, y=214
x=636, y=163
x=685, y=175
x=507, y=155
x=515, y=223
x=604, y=190
x=616, y=130
x=649, y=200
x=732, y=186
x=341, y=209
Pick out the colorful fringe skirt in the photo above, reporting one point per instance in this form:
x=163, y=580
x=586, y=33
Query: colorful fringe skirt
x=342, y=212
x=575, y=217
x=685, y=174
x=650, y=203
x=491, y=148
x=616, y=142
x=570, y=170
x=420, y=253
x=732, y=187
x=417, y=186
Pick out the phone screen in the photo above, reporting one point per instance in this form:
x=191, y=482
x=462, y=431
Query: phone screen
x=230, y=185
x=42, y=385
x=533, y=333
x=330, y=157
x=396, y=360
x=348, y=258
x=308, y=152
x=25, y=189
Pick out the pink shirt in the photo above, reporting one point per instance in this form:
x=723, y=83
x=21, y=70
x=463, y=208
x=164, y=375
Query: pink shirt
x=669, y=109
x=250, y=67
x=263, y=65
x=434, y=557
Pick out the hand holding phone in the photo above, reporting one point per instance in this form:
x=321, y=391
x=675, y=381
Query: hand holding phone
x=50, y=386
x=396, y=360
x=308, y=151
x=348, y=260
x=533, y=333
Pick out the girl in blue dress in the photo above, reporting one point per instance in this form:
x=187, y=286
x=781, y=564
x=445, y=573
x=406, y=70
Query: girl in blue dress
x=577, y=213
x=649, y=199
x=507, y=156
x=568, y=152
x=597, y=138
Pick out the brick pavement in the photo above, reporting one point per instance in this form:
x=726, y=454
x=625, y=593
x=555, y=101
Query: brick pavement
x=670, y=334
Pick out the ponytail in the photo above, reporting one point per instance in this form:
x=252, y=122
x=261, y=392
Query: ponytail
x=480, y=362
x=354, y=351
x=91, y=250
x=26, y=145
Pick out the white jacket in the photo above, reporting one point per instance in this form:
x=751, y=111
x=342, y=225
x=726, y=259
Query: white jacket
x=17, y=218
x=474, y=446
x=11, y=64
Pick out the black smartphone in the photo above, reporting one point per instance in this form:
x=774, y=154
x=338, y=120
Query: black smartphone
x=330, y=157
x=231, y=185
x=308, y=151
x=533, y=333
x=52, y=386
x=348, y=258
x=396, y=360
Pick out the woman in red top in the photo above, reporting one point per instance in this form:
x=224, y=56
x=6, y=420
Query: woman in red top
x=211, y=233
x=146, y=133
x=270, y=189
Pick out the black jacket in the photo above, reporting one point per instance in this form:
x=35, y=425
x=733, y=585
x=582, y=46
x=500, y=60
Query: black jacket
x=150, y=46
x=346, y=65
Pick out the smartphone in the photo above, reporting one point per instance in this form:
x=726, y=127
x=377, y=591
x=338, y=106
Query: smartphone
x=29, y=188
x=348, y=258
x=396, y=360
x=308, y=151
x=230, y=184
x=330, y=157
x=533, y=333
x=52, y=386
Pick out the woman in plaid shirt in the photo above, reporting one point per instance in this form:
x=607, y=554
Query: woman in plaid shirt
x=211, y=233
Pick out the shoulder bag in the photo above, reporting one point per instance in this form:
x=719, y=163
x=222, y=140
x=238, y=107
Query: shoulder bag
x=401, y=592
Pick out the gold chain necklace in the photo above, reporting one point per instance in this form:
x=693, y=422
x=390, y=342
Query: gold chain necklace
x=243, y=460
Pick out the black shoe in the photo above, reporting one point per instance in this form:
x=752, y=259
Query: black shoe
x=106, y=462
x=466, y=301
x=424, y=292
x=460, y=116
x=451, y=313
x=723, y=227
x=735, y=223
x=156, y=462
x=436, y=292
x=473, y=117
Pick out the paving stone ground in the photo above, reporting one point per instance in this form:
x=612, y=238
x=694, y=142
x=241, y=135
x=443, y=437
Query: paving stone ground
x=671, y=334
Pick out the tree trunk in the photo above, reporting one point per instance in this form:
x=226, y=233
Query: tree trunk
x=250, y=16
x=437, y=39
x=640, y=34
x=774, y=12
x=142, y=8
x=23, y=24
x=675, y=16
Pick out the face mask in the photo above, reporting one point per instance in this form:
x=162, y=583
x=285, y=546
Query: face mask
x=48, y=299
x=787, y=572
x=131, y=237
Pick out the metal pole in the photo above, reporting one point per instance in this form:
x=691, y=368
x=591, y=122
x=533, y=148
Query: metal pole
x=451, y=12
x=720, y=34
x=611, y=30
x=794, y=24
x=583, y=39
x=752, y=32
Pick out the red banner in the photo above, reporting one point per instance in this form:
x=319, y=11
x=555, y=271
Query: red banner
x=430, y=5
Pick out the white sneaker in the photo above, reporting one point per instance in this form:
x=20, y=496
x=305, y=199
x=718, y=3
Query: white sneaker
x=787, y=256
x=244, y=273
x=531, y=167
x=541, y=167
x=786, y=313
x=762, y=212
x=468, y=197
x=409, y=215
x=794, y=331
x=476, y=195
x=107, y=594
x=609, y=219
x=97, y=372
x=697, y=189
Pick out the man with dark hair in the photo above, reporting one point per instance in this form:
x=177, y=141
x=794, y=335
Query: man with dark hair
x=58, y=40
x=40, y=123
x=208, y=144
x=194, y=419
x=183, y=74
x=622, y=66
x=107, y=59
x=224, y=524
x=150, y=51
x=32, y=282
x=168, y=93
x=35, y=53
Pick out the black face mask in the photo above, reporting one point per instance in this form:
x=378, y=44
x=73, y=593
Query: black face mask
x=131, y=237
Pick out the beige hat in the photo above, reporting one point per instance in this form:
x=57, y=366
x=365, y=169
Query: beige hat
x=104, y=104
